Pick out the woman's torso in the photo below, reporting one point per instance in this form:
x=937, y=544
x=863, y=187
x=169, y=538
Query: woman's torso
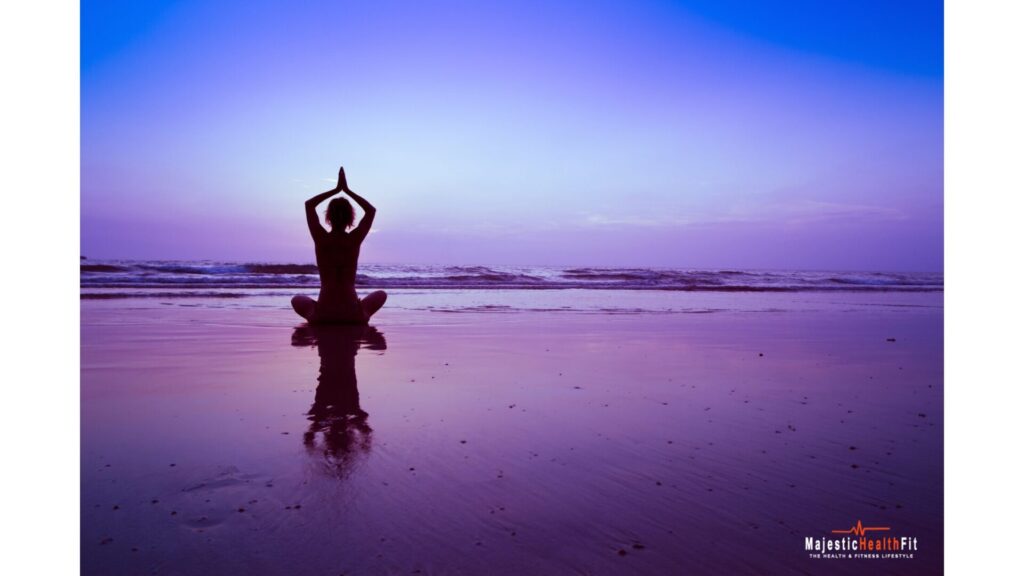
x=337, y=256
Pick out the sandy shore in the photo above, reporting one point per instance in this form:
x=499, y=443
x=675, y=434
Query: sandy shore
x=225, y=440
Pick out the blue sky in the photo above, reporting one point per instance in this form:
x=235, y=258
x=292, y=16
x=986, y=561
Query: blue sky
x=691, y=134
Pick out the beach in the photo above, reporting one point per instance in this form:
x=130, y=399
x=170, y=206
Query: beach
x=511, y=431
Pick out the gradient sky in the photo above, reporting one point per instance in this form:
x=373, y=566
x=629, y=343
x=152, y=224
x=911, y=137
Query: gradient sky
x=800, y=134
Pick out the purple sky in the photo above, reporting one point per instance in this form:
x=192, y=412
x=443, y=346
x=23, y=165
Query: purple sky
x=642, y=133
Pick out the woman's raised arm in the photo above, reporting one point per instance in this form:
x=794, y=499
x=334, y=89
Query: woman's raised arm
x=312, y=219
x=369, y=211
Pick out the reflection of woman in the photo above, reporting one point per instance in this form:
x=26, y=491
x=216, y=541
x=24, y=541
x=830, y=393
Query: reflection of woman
x=337, y=256
x=335, y=413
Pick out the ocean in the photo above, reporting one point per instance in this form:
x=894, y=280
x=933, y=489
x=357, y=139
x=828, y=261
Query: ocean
x=123, y=278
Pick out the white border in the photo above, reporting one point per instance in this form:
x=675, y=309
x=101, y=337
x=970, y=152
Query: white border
x=39, y=235
x=984, y=350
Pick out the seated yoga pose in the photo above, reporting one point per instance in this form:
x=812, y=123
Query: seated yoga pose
x=337, y=256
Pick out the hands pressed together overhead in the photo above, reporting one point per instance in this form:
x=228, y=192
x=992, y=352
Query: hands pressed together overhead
x=342, y=181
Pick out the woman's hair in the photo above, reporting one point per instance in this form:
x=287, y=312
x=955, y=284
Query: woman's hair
x=340, y=214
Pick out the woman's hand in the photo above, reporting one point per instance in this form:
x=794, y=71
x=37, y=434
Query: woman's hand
x=342, y=182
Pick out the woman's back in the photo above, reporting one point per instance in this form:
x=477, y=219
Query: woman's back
x=337, y=257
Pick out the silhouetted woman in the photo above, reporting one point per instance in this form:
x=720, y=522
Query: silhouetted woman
x=337, y=255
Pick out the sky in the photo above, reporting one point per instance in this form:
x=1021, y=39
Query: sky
x=692, y=134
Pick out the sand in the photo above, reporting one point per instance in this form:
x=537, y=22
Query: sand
x=506, y=441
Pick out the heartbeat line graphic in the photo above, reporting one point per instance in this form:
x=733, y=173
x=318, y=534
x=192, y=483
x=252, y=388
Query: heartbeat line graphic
x=860, y=530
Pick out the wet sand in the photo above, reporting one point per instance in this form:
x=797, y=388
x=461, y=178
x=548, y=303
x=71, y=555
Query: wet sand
x=227, y=439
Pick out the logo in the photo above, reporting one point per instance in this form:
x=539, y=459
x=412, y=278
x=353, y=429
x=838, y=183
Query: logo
x=861, y=542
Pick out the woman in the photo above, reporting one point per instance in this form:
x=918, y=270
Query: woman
x=337, y=255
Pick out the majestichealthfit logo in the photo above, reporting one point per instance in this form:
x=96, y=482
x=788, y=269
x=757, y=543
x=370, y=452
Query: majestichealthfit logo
x=861, y=542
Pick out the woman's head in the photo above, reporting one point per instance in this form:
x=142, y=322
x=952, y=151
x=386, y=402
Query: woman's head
x=340, y=214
